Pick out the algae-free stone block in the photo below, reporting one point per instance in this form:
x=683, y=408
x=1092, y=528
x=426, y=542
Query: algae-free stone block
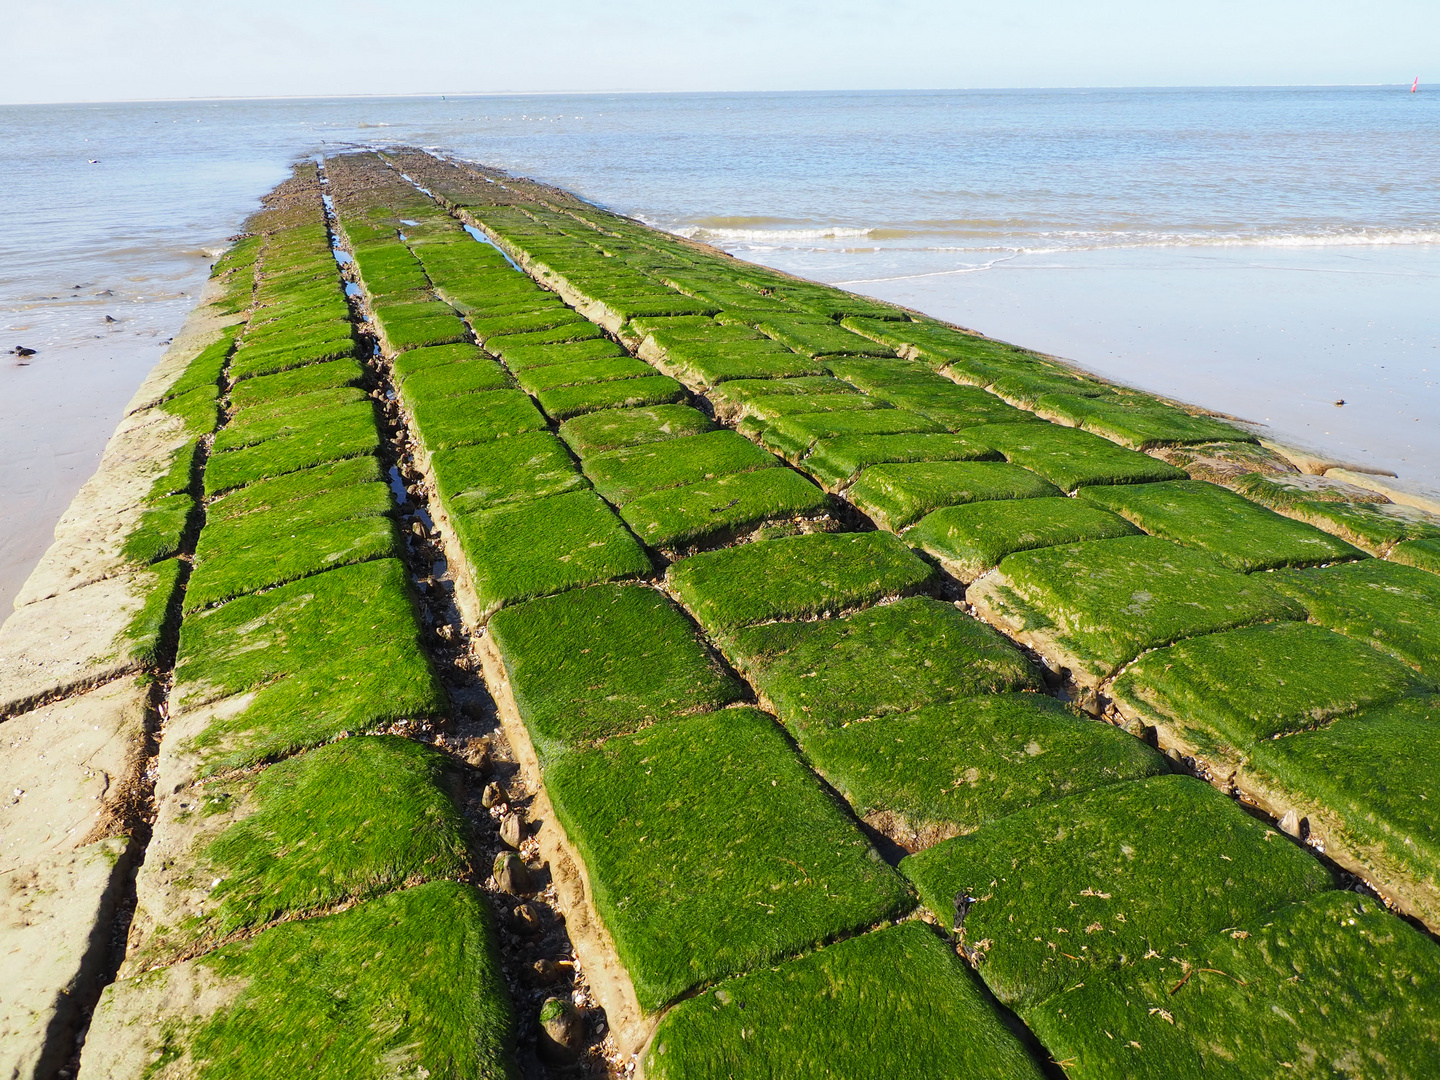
x=1423, y=554
x=897, y=495
x=1095, y=882
x=408, y=983
x=445, y=423
x=625, y=474
x=716, y=511
x=275, y=672
x=1243, y=535
x=1095, y=606
x=526, y=466
x=1366, y=784
x=611, y=429
x=1390, y=606
x=1221, y=693
x=946, y=770
x=837, y=459
x=971, y=539
x=796, y=577
x=318, y=436
x=1330, y=986
x=896, y=1003
x=340, y=823
x=450, y=380
x=523, y=550
x=566, y=401
x=604, y=661
x=1071, y=458
x=711, y=850
x=885, y=659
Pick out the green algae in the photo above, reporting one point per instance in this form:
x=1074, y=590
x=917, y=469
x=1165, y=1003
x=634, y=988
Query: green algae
x=796, y=577
x=563, y=402
x=409, y=984
x=284, y=647
x=270, y=388
x=1422, y=554
x=162, y=529
x=1373, y=530
x=794, y=435
x=322, y=435
x=297, y=490
x=630, y=472
x=526, y=466
x=716, y=511
x=522, y=357
x=895, y=1003
x=547, y=318
x=580, y=330
x=701, y=873
x=1385, y=604
x=446, y=423
x=603, y=661
x=715, y=364
x=946, y=770
x=1068, y=890
x=1243, y=535
x=150, y=634
x=1138, y=422
x=896, y=496
x=611, y=429
x=269, y=419
x=769, y=407
x=837, y=459
x=453, y=379
x=971, y=539
x=256, y=360
x=417, y=360
x=1233, y=689
x=1330, y=986
x=523, y=550
x=817, y=336
x=552, y=376
x=208, y=366
x=885, y=659
x=1107, y=601
x=198, y=410
x=1071, y=458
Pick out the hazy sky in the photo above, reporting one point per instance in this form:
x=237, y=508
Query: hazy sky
x=89, y=50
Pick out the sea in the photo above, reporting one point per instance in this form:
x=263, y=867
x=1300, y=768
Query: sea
x=1270, y=253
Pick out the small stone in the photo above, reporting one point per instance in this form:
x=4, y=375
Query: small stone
x=492, y=796
x=418, y=528
x=510, y=874
x=527, y=919
x=512, y=830
x=546, y=971
x=560, y=1031
x=1290, y=824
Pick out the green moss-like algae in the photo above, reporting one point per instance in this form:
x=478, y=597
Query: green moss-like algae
x=526, y=466
x=895, y=1003
x=973, y=538
x=467, y=419
x=796, y=577
x=705, y=872
x=1363, y=524
x=408, y=983
x=715, y=511
x=602, y=661
x=150, y=633
x=1422, y=554
x=1070, y=889
x=336, y=652
x=554, y=376
x=269, y=388
x=837, y=459
x=564, y=402
x=890, y=658
x=319, y=436
x=417, y=360
x=629, y=472
x=300, y=492
x=162, y=529
x=611, y=429
x=898, y=495
x=794, y=434
x=453, y=379
x=1141, y=424
x=949, y=769
x=1331, y=986
x=1070, y=458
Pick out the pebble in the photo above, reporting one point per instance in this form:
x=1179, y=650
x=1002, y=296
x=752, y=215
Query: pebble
x=1292, y=825
x=491, y=796
x=512, y=830
x=510, y=874
x=547, y=970
x=561, y=1031
x=527, y=919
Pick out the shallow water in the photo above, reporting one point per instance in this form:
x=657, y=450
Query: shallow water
x=1264, y=252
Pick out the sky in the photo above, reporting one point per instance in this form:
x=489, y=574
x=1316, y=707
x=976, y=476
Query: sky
x=108, y=50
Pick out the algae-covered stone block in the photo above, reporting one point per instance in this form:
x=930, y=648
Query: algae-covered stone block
x=711, y=850
x=770, y=407
x=946, y=770
x=897, y=495
x=835, y=460
x=279, y=671
x=794, y=434
x=611, y=429
x=1390, y=606
x=1424, y=554
x=1140, y=425
x=895, y=1003
x=1242, y=534
x=407, y=983
x=968, y=540
x=1362, y=517
x=1221, y=693
x=796, y=577
x=453, y=379
x=1366, y=785
x=710, y=365
x=417, y=360
x=523, y=550
x=1095, y=606
x=524, y=357
x=885, y=659
x=553, y=376
x=715, y=511
x=604, y=661
x=525, y=466
x=1330, y=986
x=580, y=330
x=818, y=336
x=315, y=437
x=629, y=472
x=269, y=388
x=1068, y=890
x=445, y=423
x=340, y=823
x=564, y=402
x=1071, y=458
x=301, y=493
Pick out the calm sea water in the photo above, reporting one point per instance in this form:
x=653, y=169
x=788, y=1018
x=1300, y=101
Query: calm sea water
x=1265, y=252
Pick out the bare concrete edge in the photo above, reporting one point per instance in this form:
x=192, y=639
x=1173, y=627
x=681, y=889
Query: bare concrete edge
x=201, y=328
x=1394, y=489
x=594, y=947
